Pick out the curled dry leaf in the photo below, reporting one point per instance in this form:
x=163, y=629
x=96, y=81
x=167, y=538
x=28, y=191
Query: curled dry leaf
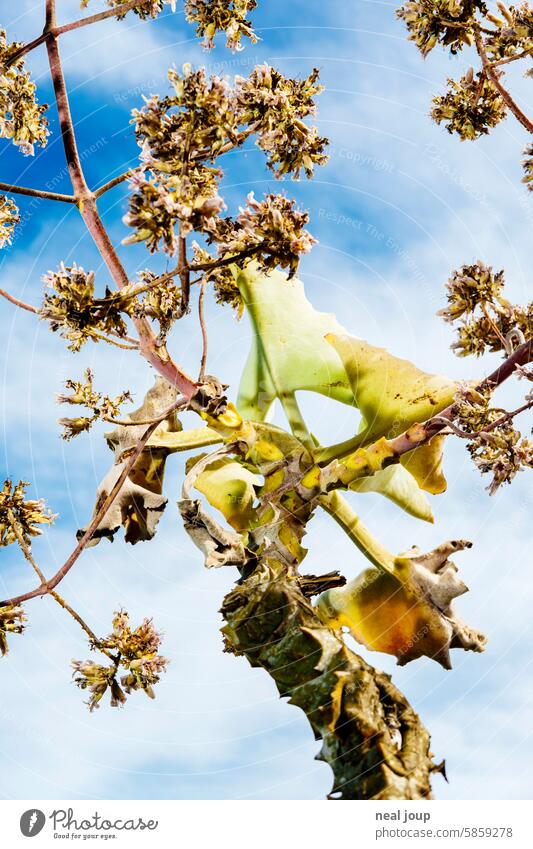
x=215, y=475
x=406, y=609
x=140, y=502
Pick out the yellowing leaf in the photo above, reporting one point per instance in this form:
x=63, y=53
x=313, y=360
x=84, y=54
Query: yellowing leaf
x=396, y=484
x=405, y=609
x=393, y=394
x=425, y=465
x=229, y=487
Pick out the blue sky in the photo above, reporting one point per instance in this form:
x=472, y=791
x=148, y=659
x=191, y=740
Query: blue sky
x=400, y=204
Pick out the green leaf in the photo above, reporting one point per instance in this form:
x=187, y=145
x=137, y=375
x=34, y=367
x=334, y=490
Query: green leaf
x=289, y=351
x=292, y=350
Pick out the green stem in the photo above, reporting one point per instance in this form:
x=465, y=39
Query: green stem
x=339, y=509
x=295, y=418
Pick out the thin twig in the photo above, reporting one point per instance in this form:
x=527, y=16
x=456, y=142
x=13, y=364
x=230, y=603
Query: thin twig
x=156, y=355
x=26, y=550
x=201, y=316
x=185, y=277
x=52, y=30
x=18, y=303
x=228, y=260
x=132, y=423
x=104, y=338
x=89, y=533
x=111, y=184
x=493, y=77
x=36, y=193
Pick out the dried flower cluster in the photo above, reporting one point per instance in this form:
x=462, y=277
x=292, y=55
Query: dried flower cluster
x=101, y=406
x=146, y=8
x=11, y=622
x=446, y=22
x=470, y=107
x=162, y=301
x=228, y=16
x=514, y=31
x=136, y=652
x=495, y=446
x=485, y=319
x=19, y=516
x=477, y=102
x=528, y=167
x=271, y=230
x=9, y=218
x=21, y=117
x=176, y=188
x=74, y=311
x=222, y=278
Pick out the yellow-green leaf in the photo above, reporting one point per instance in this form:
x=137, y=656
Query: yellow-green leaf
x=289, y=351
x=229, y=487
x=393, y=394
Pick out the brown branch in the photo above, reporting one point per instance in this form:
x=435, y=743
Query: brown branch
x=52, y=30
x=37, y=193
x=185, y=277
x=228, y=260
x=111, y=184
x=46, y=586
x=494, y=79
x=26, y=550
x=201, y=317
x=422, y=433
x=21, y=304
x=156, y=355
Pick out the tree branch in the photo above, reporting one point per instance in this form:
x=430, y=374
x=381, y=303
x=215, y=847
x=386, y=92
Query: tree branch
x=52, y=30
x=26, y=550
x=158, y=357
x=493, y=77
x=21, y=304
x=37, y=193
x=111, y=184
x=45, y=587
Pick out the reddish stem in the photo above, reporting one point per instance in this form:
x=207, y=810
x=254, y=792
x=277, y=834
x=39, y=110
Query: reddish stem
x=158, y=357
x=45, y=588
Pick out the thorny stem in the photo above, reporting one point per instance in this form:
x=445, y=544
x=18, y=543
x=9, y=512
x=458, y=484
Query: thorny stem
x=37, y=193
x=26, y=550
x=493, y=77
x=86, y=538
